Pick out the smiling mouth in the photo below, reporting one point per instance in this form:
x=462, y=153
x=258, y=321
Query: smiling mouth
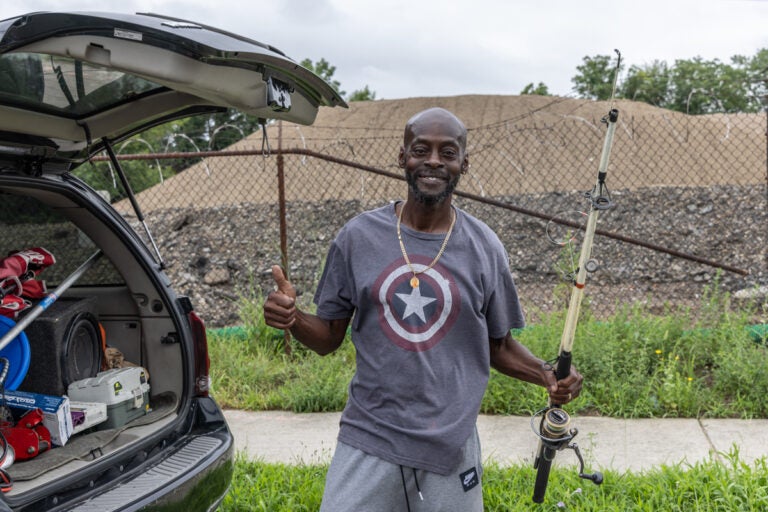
x=431, y=178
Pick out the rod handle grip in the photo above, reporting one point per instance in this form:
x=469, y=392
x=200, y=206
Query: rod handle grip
x=563, y=368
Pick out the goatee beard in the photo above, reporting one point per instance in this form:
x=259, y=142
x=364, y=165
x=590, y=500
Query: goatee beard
x=430, y=199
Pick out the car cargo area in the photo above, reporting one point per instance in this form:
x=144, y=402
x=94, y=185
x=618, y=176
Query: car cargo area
x=104, y=361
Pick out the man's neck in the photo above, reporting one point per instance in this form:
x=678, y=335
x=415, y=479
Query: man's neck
x=427, y=218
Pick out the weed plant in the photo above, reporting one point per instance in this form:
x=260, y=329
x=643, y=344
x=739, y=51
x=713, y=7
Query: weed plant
x=692, y=363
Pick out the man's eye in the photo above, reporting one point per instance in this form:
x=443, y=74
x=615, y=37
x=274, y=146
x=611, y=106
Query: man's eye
x=449, y=154
x=419, y=151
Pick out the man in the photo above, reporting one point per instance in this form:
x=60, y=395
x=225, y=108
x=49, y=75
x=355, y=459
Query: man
x=431, y=301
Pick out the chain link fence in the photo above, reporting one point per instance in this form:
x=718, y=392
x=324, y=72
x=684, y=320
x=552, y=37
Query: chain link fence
x=689, y=196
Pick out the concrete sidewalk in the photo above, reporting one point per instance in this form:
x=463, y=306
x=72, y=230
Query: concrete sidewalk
x=606, y=443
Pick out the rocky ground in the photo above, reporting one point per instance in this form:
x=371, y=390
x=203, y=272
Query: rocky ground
x=219, y=255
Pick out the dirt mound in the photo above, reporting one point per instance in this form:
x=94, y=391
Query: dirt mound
x=513, y=142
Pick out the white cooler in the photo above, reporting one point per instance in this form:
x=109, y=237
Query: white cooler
x=125, y=391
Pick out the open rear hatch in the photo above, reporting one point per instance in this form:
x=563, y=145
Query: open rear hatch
x=69, y=80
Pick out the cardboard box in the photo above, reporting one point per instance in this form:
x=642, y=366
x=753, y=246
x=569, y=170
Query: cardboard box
x=56, y=412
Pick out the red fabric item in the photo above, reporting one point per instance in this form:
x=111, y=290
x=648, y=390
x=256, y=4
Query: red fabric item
x=12, y=305
x=18, y=263
x=9, y=285
x=37, y=258
x=12, y=266
x=33, y=289
x=18, y=270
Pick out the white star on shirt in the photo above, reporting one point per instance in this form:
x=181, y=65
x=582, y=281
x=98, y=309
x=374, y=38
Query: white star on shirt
x=415, y=303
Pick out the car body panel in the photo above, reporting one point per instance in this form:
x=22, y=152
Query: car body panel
x=142, y=70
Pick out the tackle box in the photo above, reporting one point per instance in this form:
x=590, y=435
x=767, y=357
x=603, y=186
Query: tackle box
x=125, y=391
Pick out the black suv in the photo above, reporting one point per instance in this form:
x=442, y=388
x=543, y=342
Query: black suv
x=72, y=85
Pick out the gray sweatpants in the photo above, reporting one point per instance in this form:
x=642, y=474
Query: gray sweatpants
x=359, y=482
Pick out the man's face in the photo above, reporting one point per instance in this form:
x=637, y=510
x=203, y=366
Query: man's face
x=433, y=156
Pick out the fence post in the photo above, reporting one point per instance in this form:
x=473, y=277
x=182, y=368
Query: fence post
x=283, y=220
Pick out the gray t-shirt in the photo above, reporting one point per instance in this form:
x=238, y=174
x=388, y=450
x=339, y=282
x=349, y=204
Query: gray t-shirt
x=423, y=356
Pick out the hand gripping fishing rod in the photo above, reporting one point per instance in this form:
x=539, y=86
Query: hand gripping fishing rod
x=553, y=429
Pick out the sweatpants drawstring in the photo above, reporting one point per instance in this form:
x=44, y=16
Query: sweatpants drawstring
x=417, y=484
x=405, y=488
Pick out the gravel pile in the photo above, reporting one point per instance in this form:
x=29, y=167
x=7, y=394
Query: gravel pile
x=218, y=255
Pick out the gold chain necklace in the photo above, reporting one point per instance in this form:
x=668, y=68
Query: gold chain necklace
x=415, y=279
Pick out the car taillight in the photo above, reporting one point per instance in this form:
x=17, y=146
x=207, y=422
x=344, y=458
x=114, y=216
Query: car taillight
x=202, y=361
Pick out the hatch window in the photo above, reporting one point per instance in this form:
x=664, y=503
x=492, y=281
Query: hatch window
x=65, y=86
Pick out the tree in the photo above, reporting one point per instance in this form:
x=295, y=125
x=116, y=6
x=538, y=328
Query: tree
x=595, y=77
x=364, y=94
x=324, y=70
x=693, y=86
x=540, y=89
x=758, y=78
x=649, y=83
x=705, y=86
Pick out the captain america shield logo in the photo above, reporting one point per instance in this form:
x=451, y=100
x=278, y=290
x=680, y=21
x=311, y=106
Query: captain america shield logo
x=416, y=319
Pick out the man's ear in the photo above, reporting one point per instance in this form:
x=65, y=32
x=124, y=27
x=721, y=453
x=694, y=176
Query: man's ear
x=465, y=165
x=401, y=158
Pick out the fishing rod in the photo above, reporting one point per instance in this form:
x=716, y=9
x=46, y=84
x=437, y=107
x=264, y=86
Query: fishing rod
x=552, y=424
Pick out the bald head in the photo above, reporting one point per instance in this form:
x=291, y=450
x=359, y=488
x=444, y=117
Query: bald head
x=439, y=118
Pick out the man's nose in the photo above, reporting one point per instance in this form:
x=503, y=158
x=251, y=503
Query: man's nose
x=434, y=159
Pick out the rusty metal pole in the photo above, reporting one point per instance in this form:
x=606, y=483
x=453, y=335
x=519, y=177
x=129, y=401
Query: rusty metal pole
x=283, y=221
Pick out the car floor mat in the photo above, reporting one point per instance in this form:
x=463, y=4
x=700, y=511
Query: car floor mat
x=87, y=447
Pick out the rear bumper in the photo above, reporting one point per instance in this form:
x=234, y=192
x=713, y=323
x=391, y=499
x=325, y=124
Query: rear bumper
x=195, y=476
x=187, y=468
x=192, y=473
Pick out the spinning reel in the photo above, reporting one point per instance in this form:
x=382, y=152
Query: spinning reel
x=553, y=432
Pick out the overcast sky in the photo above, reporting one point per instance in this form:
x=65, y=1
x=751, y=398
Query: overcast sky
x=408, y=48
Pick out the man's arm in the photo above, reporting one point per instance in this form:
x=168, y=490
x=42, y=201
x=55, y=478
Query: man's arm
x=280, y=311
x=512, y=358
x=322, y=336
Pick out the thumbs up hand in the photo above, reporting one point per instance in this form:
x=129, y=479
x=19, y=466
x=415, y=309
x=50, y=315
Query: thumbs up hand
x=284, y=286
x=280, y=306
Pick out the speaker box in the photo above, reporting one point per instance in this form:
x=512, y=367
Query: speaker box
x=65, y=346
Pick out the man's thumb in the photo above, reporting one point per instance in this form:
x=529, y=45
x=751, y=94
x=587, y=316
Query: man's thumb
x=283, y=285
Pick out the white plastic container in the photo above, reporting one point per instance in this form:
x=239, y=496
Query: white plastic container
x=125, y=391
x=89, y=414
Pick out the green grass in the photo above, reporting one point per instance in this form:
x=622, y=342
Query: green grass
x=692, y=363
x=716, y=485
x=703, y=362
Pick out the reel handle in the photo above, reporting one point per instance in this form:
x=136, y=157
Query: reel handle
x=596, y=477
